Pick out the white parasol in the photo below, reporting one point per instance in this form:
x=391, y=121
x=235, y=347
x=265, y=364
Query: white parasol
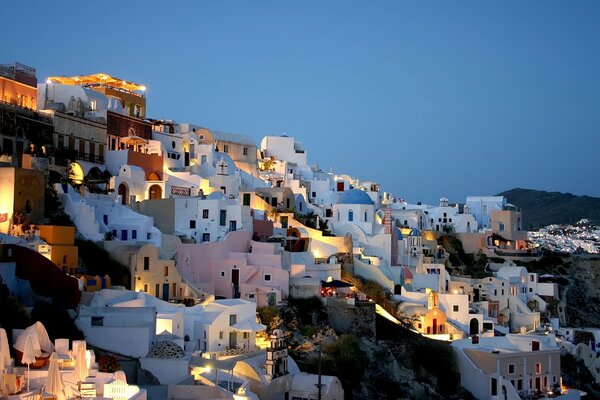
x=81, y=371
x=54, y=382
x=4, y=351
x=28, y=356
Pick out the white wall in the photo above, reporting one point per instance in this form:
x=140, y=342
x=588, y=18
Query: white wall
x=167, y=371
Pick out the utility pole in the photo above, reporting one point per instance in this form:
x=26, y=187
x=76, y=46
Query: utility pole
x=319, y=385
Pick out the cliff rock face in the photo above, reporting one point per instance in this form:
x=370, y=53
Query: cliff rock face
x=583, y=294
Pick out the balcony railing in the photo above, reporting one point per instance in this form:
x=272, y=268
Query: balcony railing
x=90, y=158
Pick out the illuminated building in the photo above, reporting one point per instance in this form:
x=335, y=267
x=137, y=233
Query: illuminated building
x=18, y=85
x=22, y=129
x=21, y=191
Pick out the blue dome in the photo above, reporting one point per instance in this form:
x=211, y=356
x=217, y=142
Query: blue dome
x=354, y=196
x=415, y=232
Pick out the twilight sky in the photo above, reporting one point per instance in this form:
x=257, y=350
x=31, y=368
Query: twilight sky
x=430, y=99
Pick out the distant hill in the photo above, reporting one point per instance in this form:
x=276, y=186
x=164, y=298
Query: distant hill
x=541, y=208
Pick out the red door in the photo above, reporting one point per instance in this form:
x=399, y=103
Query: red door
x=435, y=326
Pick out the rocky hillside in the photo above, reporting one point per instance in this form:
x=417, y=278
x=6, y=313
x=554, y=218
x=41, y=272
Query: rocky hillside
x=541, y=208
x=396, y=364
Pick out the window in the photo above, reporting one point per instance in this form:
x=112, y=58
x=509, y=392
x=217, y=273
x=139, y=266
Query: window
x=328, y=213
x=494, y=387
x=511, y=368
x=251, y=296
x=206, y=237
x=222, y=274
x=245, y=151
x=246, y=335
x=166, y=271
x=455, y=308
x=232, y=319
x=146, y=263
x=222, y=217
x=225, y=148
x=535, y=346
x=145, y=288
x=538, y=368
x=500, y=226
x=267, y=277
x=192, y=224
x=221, y=335
x=365, y=216
x=205, y=213
x=246, y=199
x=203, y=159
x=97, y=321
x=93, y=105
x=157, y=290
x=313, y=194
x=134, y=234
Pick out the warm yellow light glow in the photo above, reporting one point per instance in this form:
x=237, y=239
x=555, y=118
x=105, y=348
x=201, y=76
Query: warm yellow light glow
x=143, y=88
x=104, y=79
x=262, y=342
x=48, y=81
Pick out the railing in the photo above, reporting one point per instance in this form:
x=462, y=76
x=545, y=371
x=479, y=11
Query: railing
x=518, y=253
x=35, y=115
x=234, y=352
x=90, y=158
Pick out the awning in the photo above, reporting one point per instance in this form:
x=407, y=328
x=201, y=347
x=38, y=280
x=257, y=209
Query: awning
x=249, y=326
x=134, y=140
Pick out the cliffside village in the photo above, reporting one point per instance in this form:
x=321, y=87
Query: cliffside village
x=212, y=225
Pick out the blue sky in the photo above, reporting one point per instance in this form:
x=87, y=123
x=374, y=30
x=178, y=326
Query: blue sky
x=430, y=99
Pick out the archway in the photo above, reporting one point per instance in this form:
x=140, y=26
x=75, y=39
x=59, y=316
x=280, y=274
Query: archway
x=76, y=173
x=155, y=192
x=474, y=326
x=123, y=192
x=153, y=176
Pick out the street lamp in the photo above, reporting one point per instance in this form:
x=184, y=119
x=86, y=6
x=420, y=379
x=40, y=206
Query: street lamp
x=208, y=369
x=319, y=385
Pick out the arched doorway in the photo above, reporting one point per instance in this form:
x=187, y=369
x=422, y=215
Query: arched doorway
x=155, y=192
x=474, y=326
x=123, y=192
x=76, y=173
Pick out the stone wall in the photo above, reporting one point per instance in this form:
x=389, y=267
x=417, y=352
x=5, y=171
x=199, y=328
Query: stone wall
x=352, y=316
